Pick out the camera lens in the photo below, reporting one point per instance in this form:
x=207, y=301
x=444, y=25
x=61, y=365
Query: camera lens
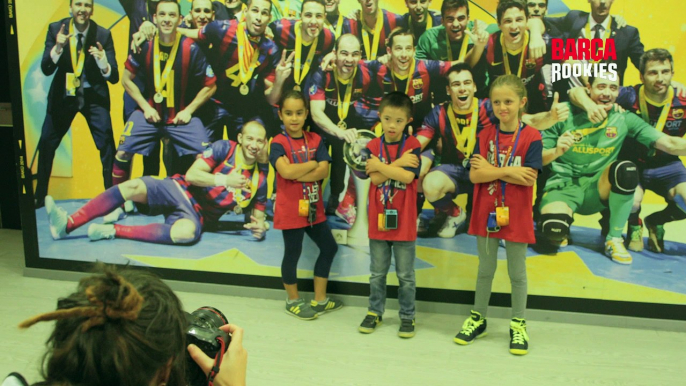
x=210, y=317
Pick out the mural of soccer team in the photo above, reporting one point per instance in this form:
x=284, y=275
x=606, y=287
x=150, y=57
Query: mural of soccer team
x=459, y=107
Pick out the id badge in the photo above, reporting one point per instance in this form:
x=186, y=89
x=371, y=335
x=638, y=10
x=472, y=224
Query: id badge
x=69, y=84
x=382, y=222
x=304, y=208
x=492, y=223
x=391, y=219
x=502, y=215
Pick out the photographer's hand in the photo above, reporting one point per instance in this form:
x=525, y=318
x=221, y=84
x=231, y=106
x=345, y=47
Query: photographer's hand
x=232, y=371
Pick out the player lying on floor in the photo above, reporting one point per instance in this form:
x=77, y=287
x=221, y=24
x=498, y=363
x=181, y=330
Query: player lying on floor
x=226, y=177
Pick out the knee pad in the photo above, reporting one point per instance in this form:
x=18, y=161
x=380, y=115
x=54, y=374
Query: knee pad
x=623, y=177
x=555, y=226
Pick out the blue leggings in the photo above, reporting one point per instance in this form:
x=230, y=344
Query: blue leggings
x=293, y=243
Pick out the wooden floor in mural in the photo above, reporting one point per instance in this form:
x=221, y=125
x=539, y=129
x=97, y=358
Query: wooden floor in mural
x=580, y=270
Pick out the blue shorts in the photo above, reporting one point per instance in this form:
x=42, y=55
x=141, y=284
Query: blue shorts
x=660, y=180
x=141, y=136
x=458, y=175
x=166, y=197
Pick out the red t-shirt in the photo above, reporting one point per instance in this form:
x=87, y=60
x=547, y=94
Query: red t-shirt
x=403, y=197
x=519, y=198
x=290, y=192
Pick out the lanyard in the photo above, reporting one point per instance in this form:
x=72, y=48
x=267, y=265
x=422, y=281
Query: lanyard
x=238, y=195
x=76, y=64
x=522, y=53
x=386, y=188
x=339, y=26
x=409, y=78
x=247, y=58
x=298, y=55
x=344, y=105
x=161, y=79
x=372, y=51
x=666, y=107
x=296, y=159
x=465, y=140
x=463, y=48
x=509, y=157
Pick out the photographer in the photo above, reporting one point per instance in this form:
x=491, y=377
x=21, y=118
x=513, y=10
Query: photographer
x=128, y=328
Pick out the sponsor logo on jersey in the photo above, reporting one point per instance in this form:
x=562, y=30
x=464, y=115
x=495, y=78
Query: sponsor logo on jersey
x=578, y=136
x=417, y=84
x=611, y=132
x=417, y=98
x=313, y=90
x=357, y=93
x=585, y=149
x=677, y=113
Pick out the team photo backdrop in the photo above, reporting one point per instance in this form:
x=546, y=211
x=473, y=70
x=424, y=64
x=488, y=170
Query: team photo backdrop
x=579, y=271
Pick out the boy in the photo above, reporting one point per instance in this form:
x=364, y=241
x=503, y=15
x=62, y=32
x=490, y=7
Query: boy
x=393, y=166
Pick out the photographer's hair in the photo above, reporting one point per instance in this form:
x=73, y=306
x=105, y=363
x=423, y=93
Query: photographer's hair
x=168, y=1
x=515, y=83
x=292, y=94
x=655, y=54
x=119, y=328
x=507, y=4
x=459, y=67
x=398, y=100
x=321, y=2
x=450, y=5
x=399, y=31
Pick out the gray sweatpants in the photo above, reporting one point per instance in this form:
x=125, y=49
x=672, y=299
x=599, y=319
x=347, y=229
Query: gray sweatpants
x=516, y=268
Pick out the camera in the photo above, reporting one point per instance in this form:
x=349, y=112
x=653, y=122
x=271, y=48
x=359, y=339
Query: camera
x=203, y=331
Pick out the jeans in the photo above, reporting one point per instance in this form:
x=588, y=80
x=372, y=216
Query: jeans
x=381, y=251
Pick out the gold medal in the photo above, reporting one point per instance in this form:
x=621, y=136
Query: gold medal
x=297, y=88
x=244, y=89
x=77, y=82
x=342, y=125
x=158, y=98
x=237, y=209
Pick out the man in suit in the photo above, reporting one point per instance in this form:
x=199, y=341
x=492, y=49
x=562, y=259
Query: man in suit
x=599, y=24
x=81, y=55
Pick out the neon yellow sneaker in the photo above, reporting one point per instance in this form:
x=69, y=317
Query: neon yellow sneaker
x=370, y=322
x=614, y=249
x=635, y=235
x=519, y=339
x=332, y=304
x=472, y=328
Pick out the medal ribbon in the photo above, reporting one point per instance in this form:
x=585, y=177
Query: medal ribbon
x=297, y=75
x=162, y=79
x=247, y=58
x=339, y=26
x=386, y=188
x=509, y=156
x=372, y=51
x=283, y=11
x=344, y=106
x=666, y=107
x=463, y=48
x=608, y=32
x=76, y=64
x=465, y=140
x=522, y=53
x=409, y=78
x=238, y=196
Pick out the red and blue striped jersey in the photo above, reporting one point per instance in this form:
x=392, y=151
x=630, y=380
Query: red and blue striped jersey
x=284, y=37
x=437, y=126
x=675, y=126
x=390, y=22
x=190, y=74
x=212, y=202
x=220, y=37
x=419, y=89
x=362, y=113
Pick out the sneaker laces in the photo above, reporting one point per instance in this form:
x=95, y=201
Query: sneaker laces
x=519, y=335
x=635, y=232
x=469, y=326
x=617, y=245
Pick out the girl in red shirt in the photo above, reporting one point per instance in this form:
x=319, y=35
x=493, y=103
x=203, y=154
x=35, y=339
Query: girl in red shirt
x=506, y=162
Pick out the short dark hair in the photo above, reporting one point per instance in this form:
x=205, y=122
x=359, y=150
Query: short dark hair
x=398, y=100
x=507, y=4
x=459, y=67
x=449, y=5
x=655, y=54
x=168, y=1
x=291, y=94
x=72, y=2
x=399, y=31
x=320, y=2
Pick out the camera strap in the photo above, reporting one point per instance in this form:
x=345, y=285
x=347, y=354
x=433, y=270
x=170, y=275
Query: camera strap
x=509, y=157
x=387, y=189
x=217, y=363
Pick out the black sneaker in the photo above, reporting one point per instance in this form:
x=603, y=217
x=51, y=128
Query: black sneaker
x=406, y=328
x=369, y=323
x=474, y=327
x=519, y=339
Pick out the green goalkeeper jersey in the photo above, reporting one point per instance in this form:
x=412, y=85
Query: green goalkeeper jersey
x=596, y=146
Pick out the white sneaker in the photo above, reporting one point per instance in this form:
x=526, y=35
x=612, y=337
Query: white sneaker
x=101, y=231
x=57, y=218
x=114, y=216
x=451, y=224
x=614, y=249
x=129, y=206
